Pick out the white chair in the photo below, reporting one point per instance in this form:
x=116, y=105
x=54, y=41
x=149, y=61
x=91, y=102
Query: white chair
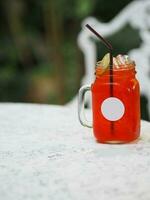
x=137, y=14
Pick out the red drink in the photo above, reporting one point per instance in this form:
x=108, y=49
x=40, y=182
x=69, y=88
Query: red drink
x=115, y=105
x=116, y=119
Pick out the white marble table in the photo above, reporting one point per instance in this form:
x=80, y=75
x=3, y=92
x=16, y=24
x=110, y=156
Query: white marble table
x=46, y=155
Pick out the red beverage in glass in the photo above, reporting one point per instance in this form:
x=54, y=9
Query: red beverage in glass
x=116, y=113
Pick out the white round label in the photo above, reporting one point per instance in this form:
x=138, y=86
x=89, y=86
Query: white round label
x=112, y=108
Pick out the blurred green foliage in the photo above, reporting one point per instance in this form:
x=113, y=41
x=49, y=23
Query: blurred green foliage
x=39, y=57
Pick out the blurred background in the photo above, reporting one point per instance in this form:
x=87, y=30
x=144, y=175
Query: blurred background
x=39, y=57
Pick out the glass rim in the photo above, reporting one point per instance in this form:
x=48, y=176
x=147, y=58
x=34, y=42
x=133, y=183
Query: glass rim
x=124, y=70
x=123, y=67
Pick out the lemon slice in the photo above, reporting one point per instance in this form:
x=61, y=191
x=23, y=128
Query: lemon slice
x=105, y=61
x=103, y=65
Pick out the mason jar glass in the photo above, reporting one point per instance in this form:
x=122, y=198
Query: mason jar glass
x=115, y=105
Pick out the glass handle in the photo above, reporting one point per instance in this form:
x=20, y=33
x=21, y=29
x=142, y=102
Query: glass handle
x=81, y=99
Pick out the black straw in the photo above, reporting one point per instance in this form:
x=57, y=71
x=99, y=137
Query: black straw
x=105, y=42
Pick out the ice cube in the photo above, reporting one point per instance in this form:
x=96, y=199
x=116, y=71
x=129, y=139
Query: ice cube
x=120, y=59
x=128, y=60
x=115, y=63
